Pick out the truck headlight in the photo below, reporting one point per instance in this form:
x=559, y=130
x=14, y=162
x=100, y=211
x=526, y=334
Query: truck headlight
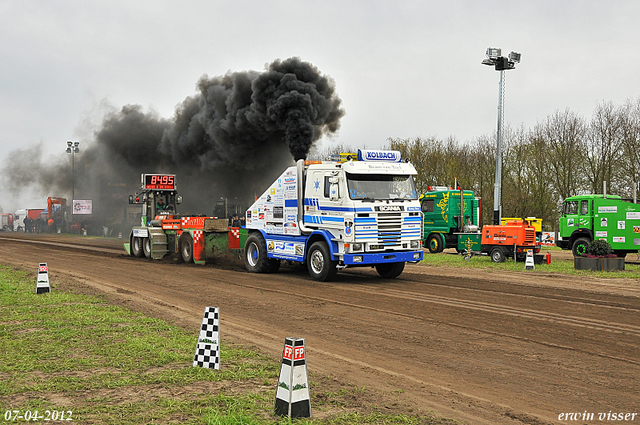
x=415, y=244
x=416, y=256
x=357, y=247
x=357, y=259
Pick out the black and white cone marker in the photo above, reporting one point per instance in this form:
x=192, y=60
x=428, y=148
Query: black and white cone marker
x=42, y=282
x=292, y=395
x=208, y=346
x=529, y=264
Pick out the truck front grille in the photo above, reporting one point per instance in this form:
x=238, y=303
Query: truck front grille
x=385, y=230
x=389, y=229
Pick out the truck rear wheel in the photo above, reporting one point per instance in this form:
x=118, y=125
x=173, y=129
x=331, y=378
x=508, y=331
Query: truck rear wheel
x=185, y=245
x=390, y=270
x=255, y=255
x=136, y=247
x=497, y=255
x=435, y=244
x=579, y=247
x=319, y=263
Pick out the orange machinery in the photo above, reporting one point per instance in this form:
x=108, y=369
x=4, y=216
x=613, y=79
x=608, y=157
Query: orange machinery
x=506, y=240
x=51, y=201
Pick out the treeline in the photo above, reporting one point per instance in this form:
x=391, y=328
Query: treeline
x=563, y=155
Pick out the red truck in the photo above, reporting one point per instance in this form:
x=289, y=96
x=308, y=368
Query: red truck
x=6, y=221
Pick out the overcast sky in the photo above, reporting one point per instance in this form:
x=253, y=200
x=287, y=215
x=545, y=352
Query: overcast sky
x=402, y=68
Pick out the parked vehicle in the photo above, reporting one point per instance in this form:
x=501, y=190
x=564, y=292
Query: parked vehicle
x=6, y=222
x=19, y=215
x=444, y=225
x=589, y=217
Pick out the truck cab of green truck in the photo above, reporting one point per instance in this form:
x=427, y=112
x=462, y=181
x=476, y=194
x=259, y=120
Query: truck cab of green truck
x=589, y=217
x=444, y=226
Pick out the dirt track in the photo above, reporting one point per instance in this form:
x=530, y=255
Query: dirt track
x=480, y=347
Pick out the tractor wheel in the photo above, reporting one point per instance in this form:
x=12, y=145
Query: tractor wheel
x=579, y=247
x=497, y=255
x=255, y=255
x=390, y=270
x=146, y=247
x=319, y=263
x=136, y=247
x=185, y=245
x=435, y=244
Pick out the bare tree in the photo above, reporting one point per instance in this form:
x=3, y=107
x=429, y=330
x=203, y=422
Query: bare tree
x=545, y=200
x=427, y=157
x=482, y=167
x=603, y=146
x=630, y=145
x=516, y=194
x=564, y=135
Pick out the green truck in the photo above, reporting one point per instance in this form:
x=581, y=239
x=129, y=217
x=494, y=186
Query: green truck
x=589, y=217
x=443, y=225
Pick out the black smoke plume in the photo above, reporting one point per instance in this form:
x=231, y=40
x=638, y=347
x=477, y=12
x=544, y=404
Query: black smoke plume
x=230, y=140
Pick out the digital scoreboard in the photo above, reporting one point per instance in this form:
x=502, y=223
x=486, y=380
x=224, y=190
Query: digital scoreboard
x=159, y=181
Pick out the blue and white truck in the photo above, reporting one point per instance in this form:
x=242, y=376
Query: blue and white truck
x=360, y=210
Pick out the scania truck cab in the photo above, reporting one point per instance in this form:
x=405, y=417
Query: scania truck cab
x=360, y=210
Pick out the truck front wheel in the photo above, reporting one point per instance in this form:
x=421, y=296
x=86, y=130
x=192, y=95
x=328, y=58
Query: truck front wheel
x=390, y=270
x=319, y=262
x=579, y=247
x=435, y=244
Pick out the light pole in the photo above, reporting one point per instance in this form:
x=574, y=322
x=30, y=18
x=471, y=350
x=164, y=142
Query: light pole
x=72, y=148
x=494, y=58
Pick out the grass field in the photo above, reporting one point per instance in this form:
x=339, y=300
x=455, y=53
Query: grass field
x=80, y=358
x=632, y=271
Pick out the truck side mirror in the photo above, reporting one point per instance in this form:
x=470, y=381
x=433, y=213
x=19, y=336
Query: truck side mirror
x=333, y=190
x=334, y=193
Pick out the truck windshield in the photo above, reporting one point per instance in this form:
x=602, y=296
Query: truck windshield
x=381, y=186
x=571, y=207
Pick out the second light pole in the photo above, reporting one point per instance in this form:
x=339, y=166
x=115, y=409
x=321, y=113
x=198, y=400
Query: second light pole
x=494, y=58
x=72, y=148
